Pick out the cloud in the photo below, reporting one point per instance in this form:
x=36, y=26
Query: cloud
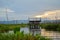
x=6, y=10
x=11, y=15
x=52, y=12
x=3, y=11
x=52, y=15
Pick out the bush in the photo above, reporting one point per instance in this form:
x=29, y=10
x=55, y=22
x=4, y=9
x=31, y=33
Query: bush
x=21, y=36
x=16, y=29
x=58, y=29
x=51, y=27
x=4, y=29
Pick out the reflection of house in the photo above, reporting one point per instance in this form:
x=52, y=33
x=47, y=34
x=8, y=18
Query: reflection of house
x=34, y=25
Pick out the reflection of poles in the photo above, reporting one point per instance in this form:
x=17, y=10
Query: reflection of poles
x=6, y=15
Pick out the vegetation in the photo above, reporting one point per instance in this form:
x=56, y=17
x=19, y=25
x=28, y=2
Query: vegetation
x=51, y=27
x=21, y=36
x=17, y=35
x=17, y=29
x=7, y=27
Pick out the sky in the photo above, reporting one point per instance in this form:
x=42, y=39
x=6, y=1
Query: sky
x=22, y=9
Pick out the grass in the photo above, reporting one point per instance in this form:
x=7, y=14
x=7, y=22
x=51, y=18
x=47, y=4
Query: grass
x=7, y=27
x=51, y=27
x=17, y=34
x=21, y=36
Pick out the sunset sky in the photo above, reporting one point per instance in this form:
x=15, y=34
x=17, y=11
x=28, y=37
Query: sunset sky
x=22, y=9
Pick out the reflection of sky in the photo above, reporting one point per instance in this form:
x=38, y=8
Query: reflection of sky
x=21, y=9
x=49, y=34
x=26, y=30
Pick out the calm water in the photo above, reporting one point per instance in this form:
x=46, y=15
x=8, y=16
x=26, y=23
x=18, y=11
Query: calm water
x=25, y=29
x=49, y=34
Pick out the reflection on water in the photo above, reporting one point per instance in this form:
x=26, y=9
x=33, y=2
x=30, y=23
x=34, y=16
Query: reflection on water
x=49, y=34
x=25, y=29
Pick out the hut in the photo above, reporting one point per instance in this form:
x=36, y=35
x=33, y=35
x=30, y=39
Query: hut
x=34, y=26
